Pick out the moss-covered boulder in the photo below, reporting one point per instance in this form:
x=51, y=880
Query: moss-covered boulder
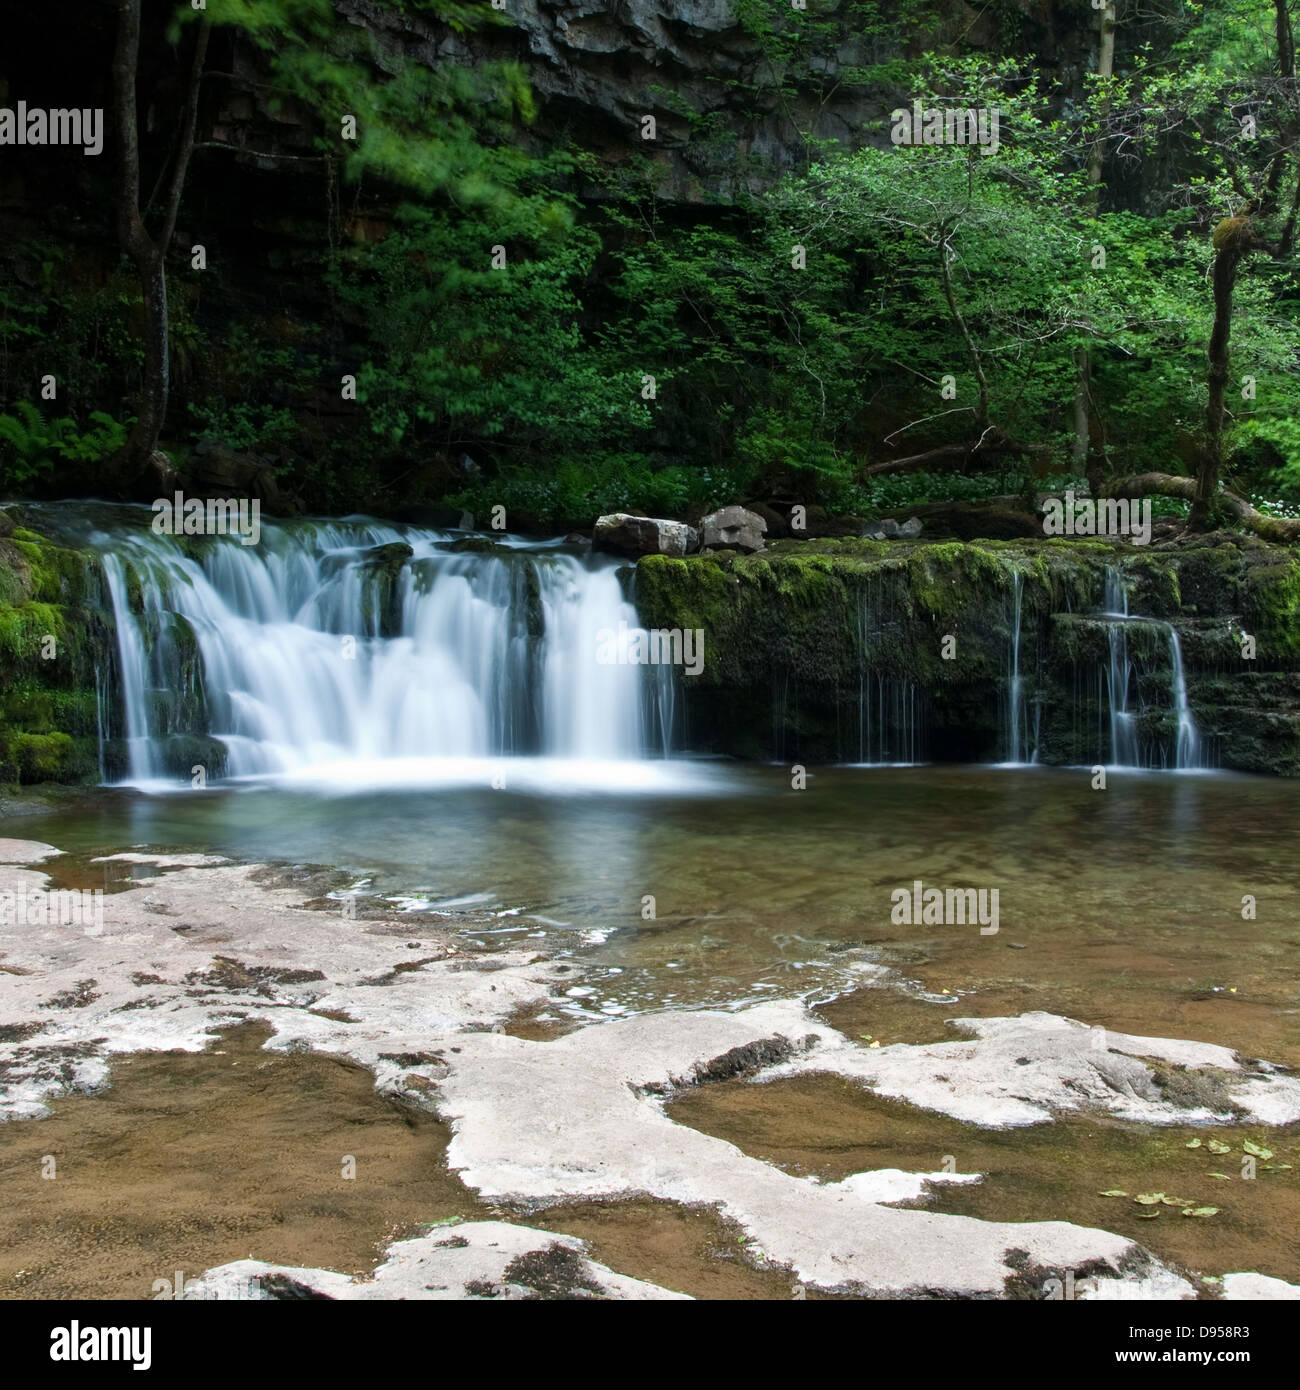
x=56, y=661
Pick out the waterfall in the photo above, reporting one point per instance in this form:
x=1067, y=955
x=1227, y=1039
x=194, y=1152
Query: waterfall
x=889, y=723
x=1017, y=737
x=1188, y=750
x=1125, y=745
x=357, y=642
x=1119, y=675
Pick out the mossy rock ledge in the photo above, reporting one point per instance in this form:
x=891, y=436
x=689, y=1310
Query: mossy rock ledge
x=57, y=661
x=834, y=650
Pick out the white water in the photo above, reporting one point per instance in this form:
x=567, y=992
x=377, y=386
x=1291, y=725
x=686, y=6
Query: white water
x=301, y=679
x=1017, y=739
x=1124, y=743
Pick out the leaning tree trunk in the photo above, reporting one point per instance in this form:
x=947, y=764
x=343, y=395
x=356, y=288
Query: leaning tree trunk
x=1226, y=261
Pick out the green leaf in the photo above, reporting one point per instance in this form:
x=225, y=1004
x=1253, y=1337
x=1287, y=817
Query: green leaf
x=1201, y=1211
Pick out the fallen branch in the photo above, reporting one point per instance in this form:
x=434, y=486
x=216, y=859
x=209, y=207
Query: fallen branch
x=989, y=443
x=1271, y=528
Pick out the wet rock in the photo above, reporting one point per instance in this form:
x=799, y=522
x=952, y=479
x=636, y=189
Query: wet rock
x=733, y=528
x=473, y=545
x=1249, y=1287
x=470, y=1259
x=644, y=535
x=1024, y=1070
x=523, y=1114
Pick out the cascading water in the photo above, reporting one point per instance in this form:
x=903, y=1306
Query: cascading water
x=1017, y=738
x=1125, y=744
x=1119, y=675
x=1188, y=748
x=331, y=644
x=889, y=723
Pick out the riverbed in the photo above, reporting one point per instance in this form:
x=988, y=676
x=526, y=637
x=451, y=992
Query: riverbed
x=722, y=890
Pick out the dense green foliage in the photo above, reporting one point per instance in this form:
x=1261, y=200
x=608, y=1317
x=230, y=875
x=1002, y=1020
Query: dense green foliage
x=533, y=326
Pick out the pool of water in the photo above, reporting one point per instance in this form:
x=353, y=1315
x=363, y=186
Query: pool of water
x=1121, y=906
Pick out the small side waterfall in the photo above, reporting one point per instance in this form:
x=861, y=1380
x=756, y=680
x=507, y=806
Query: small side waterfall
x=1188, y=749
x=357, y=642
x=1119, y=675
x=1126, y=745
x=890, y=721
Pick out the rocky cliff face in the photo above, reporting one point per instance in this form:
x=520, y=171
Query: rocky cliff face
x=737, y=88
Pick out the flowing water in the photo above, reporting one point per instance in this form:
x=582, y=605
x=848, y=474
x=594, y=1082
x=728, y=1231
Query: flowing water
x=450, y=739
x=1121, y=907
x=311, y=665
x=1126, y=749
x=445, y=728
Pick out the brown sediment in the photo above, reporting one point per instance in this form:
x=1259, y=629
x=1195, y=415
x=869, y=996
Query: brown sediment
x=827, y=1127
x=1115, y=986
x=689, y=1250
x=190, y=1160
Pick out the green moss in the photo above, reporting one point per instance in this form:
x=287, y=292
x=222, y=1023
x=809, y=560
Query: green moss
x=56, y=574
x=49, y=714
x=794, y=629
x=47, y=757
x=944, y=578
x=24, y=628
x=1273, y=611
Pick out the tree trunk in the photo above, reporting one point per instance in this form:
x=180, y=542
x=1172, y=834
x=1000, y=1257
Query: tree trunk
x=151, y=409
x=1272, y=528
x=1082, y=393
x=1079, y=452
x=1226, y=261
x=140, y=458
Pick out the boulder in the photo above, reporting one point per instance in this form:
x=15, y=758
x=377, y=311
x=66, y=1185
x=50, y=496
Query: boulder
x=887, y=529
x=733, y=528
x=473, y=544
x=644, y=535
x=778, y=526
x=216, y=471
